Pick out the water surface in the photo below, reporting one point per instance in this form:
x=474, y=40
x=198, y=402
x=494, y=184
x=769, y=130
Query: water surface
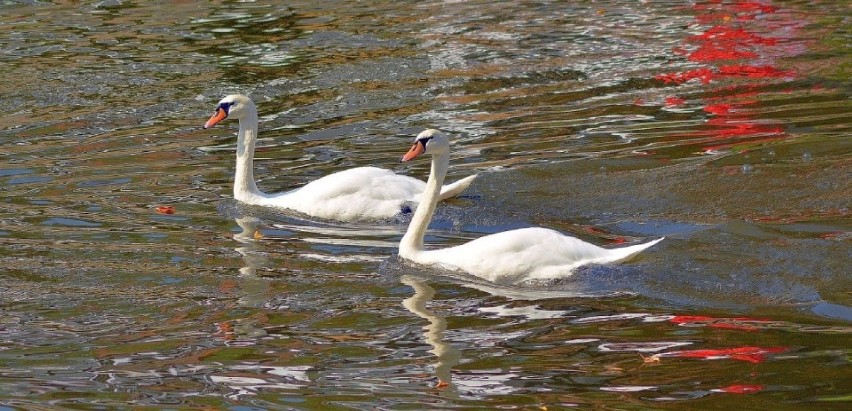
x=720, y=125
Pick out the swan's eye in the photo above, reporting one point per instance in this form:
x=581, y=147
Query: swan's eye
x=424, y=141
x=226, y=107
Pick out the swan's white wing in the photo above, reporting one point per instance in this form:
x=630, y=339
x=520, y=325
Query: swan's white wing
x=362, y=193
x=525, y=254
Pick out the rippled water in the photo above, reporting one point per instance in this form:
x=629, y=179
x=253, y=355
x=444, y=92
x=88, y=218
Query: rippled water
x=723, y=125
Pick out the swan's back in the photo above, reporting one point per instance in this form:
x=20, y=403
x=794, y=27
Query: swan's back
x=362, y=193
x=525, y=254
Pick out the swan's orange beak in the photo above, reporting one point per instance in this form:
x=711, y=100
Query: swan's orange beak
x=220, y=115
x=416, y=150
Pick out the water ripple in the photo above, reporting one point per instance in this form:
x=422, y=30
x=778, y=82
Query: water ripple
x=720, y=125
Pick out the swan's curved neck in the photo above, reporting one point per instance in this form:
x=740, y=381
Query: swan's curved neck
x=412, y=241
x=244, y=184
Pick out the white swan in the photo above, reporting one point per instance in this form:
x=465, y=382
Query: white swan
x=356, y=194
x=513, y=256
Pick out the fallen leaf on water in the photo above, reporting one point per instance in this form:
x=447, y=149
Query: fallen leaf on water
x=165, y=209
x=649, y=359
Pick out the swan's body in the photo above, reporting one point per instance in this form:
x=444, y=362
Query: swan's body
x=362, y=193
x=516, y=255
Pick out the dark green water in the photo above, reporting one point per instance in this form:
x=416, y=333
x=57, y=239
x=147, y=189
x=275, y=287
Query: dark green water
x=723, y=125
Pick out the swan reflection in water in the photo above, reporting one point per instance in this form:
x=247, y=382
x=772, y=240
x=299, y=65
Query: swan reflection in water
x=253, y=287
x=448, y=356
x=250, y=251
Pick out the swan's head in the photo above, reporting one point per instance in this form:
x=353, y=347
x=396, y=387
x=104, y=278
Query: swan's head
x=235, y=105
x=429, y=141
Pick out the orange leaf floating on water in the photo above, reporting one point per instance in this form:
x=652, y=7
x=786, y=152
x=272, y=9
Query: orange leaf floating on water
x=165, y=209
x=649, y=359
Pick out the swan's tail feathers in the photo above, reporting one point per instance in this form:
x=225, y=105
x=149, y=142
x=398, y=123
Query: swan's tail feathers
x=623, y=253
x=454, y=189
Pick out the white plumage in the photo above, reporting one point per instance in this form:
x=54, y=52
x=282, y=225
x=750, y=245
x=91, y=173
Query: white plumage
x=509, y=256
x=362, y=193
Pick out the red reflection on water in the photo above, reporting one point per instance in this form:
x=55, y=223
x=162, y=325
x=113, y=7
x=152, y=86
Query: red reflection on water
x=736, y=71
x=723, y=43
x=736, y=323
x=727, y=43
x=741, y=10
x=718, y=109
x=753, y=355
x=753, y=6
x=674, y=101
x=703, y=74
x=613, y=239
x=754, y=71
x=730, y=126
x=738, y=51
x=740, y=389
x=683, y=319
